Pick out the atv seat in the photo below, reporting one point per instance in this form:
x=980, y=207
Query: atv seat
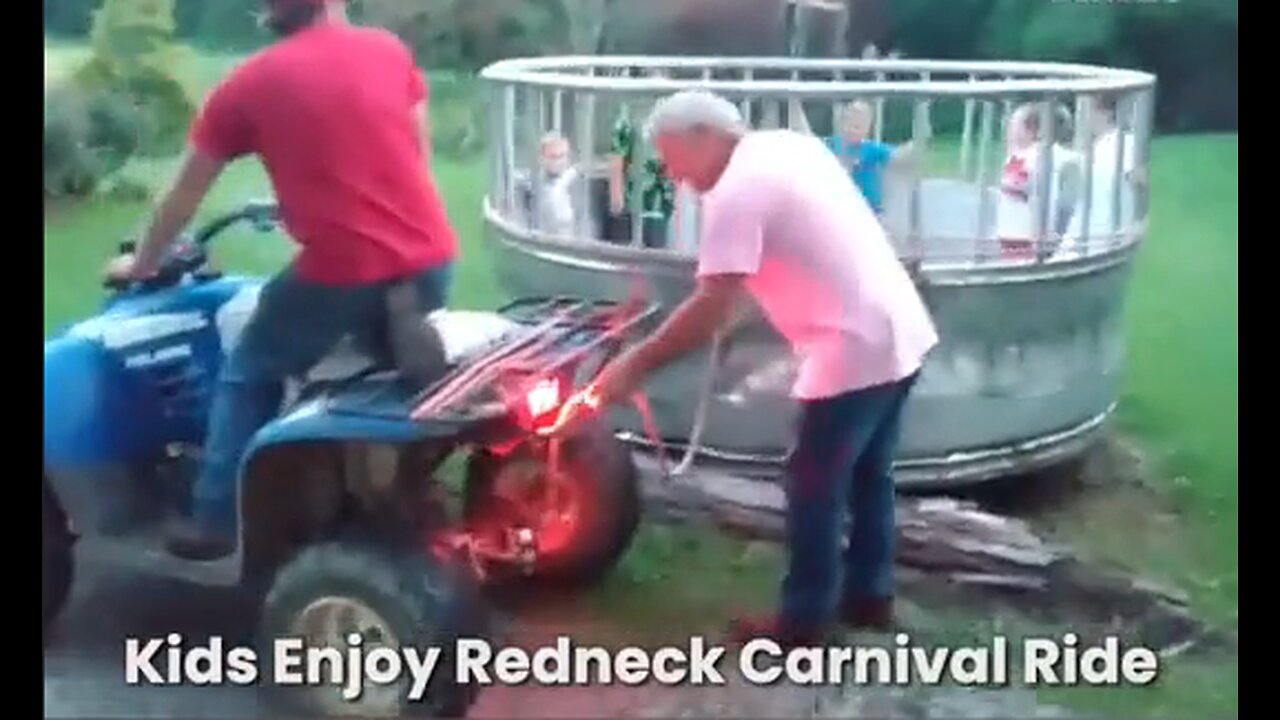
x=423, y=347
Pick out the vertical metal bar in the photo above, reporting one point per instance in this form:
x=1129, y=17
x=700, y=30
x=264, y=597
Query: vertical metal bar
x=791, y=122
x=835, y=107
x=509, y=145
x=1142, y=155
x=1045, y=181
x=983, y=181
x=1083, y=132
x=497, y=194
x=557, y=101
x=632, y=175
x=1117, y=178
x=536, y=121
x=1008, y=108
x=747, y=75
x=966, y=134
x=919, y=117
x=584, y=115
x=772, y=113
x=1086, y=212
x=879, y=131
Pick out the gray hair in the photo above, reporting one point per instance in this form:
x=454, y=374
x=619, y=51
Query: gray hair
x=692, y=109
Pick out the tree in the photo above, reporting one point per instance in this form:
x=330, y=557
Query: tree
x=134, y=54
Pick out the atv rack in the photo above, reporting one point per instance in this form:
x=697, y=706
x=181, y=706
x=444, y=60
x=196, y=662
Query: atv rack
x=556, y=336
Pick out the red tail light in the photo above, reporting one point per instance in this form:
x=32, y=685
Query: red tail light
x=538, y=405
x=543, y=398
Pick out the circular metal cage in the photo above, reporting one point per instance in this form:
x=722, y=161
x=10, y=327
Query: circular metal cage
x=1031, y=320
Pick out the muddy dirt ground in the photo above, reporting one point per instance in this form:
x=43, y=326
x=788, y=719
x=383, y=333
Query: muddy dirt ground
x=84, y=662
x=84, y=669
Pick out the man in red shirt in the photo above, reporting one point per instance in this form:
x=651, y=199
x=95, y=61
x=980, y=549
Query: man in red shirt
x=337, y=115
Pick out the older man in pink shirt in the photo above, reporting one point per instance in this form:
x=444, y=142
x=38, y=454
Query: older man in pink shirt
x=783, y=221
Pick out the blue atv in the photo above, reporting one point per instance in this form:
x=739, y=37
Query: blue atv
x=391, y=492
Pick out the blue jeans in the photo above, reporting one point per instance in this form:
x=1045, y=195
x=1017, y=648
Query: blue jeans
x=295, y=324
x=842, y=464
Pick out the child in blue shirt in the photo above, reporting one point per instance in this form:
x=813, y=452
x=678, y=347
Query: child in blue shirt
x=866, y=159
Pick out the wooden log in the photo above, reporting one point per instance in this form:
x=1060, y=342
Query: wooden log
x=948, y=541
x=941, y=534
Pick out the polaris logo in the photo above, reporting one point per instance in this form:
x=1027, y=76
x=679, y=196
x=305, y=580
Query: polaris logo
x=117, y=333
x=147, y=359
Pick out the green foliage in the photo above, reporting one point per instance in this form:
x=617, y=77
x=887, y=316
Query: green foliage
x=69, y=18
x=134, y=55
x=69, y=169
x=224, y=23
x=114, y=128
x=1190, y=45
x=458, y=118
x=425, y=25
x=87, y=137
x=124, y=189
x=469, y=34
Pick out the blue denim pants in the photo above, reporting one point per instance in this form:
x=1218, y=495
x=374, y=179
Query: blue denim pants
x=292, y=328
x=842, y=468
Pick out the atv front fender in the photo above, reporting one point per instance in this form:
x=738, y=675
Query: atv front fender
x=92, y=413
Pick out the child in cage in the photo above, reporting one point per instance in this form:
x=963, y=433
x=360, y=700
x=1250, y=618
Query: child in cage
x=1017, y=227
x=550, y=202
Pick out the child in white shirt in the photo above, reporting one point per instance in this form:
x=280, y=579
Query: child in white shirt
x=1016, y=210
x=1102, y=215
x=555, y=204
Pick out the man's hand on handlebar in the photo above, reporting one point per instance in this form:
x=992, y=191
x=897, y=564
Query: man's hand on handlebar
x=125, y=269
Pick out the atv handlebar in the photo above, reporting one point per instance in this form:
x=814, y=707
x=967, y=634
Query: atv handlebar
x=263, y=214
x=188, y=254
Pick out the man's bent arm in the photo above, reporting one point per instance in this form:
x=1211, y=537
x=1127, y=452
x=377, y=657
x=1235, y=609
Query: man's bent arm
x=691, y=324
x=176, y=210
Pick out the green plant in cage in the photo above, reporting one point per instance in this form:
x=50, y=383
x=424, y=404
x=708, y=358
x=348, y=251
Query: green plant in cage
x=657, y=192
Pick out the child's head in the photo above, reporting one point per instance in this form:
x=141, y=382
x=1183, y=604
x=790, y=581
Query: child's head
x=554, y=153
x=1104, y=115
x=1024, y=126
x=856, y=120
x=1063, y=125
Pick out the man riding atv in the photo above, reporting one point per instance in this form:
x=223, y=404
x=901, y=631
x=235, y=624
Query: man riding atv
x=337, y=114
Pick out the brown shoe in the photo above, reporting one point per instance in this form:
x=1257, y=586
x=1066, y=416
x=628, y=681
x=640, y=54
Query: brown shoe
x=786, y=635
x=874, y=613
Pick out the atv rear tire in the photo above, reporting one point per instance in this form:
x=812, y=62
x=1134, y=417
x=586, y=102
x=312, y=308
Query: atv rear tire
x=378, y=591
x=604, y=479
x=58, y=564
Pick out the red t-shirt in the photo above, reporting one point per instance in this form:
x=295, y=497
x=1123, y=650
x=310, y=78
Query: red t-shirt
x=329, y=111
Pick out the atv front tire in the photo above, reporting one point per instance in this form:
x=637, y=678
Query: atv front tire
x=602, y=512
x=58, y=564
x=394, y=598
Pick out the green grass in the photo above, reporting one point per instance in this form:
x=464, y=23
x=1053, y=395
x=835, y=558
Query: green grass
x=1182, y=389
x=1180, y=399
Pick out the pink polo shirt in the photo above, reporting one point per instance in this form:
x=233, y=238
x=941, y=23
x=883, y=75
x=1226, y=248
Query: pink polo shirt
x=786, y=214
